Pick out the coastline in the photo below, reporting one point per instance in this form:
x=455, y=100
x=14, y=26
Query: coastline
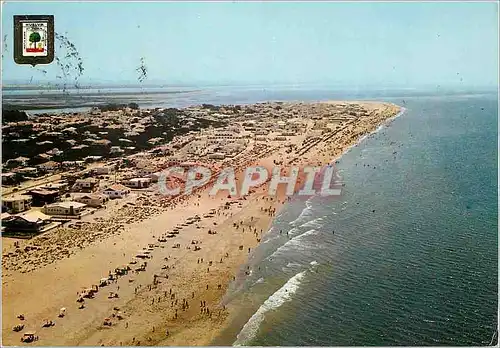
x=146, y=321
x=227, y=333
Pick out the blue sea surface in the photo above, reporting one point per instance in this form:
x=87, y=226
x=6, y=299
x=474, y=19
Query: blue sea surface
x=408, y=256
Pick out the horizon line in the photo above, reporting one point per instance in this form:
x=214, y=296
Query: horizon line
x=90, y=84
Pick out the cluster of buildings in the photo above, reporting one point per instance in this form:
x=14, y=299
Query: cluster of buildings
x=47, y=206
x=91, y=181
x=79, y=192
x=48, y=144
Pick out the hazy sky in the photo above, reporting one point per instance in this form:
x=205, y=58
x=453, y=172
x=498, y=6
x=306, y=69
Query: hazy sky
x=384, y=44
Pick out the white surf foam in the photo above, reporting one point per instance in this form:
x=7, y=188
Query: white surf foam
x=316, y=223
x=296, y=243
x=277, y=299
x=304, y=213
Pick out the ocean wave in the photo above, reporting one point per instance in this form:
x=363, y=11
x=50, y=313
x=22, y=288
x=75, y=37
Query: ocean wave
x=277, y=299
x=270, y=239
x=268, y=236
x=313, y=223
x=306, y=212
x=291, y=265
x=296, y=243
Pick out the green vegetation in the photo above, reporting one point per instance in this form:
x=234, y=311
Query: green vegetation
x=35, y=38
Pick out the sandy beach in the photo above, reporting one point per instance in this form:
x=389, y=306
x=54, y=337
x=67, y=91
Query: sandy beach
x=177, y=299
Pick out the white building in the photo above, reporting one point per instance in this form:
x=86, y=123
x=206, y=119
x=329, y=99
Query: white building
x=116, y=191
x=92, y=200
x=87, y=183
x=137, y=182
x=60, y=187
x=102, y=170
x=68, y=208
x=17, y=204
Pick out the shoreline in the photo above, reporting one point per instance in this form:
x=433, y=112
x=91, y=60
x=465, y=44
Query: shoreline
x=149, y=308
x=225, y=339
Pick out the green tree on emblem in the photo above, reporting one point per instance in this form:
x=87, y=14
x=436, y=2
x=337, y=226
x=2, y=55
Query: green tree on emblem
x=35, y=37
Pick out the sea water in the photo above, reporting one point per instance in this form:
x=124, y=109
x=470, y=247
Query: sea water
x=407, y=256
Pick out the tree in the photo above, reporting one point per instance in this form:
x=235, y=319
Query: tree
x=35, y=37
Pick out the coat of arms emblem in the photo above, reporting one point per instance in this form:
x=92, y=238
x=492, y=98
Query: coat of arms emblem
x=34, y=39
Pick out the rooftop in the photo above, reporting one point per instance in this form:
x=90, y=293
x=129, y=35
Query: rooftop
x=140, y=179
x=67, y=204
x=117, y=187
x=17, y=198
x=33, y=216
x=91, y=180
x=87, y=195
x=41, y=191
